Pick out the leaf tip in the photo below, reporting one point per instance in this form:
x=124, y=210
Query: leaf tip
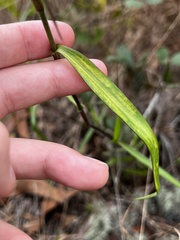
x=147, y=196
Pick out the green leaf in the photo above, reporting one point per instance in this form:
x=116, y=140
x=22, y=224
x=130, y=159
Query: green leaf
x=85, y=140
x=139, y=3
x=111, y=95
x=117, y=130
x=71, y=99
x=125, y=56
x=154, y=2
x=145, y=161
x=175, y=59
x=133, y=3
x=33, y=121
x=163, y=54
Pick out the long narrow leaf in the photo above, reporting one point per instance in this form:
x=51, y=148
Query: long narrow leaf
x=111, y=95
x=117, y=130
x=145, y=161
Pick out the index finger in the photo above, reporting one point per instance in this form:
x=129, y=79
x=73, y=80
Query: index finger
x=25, y=41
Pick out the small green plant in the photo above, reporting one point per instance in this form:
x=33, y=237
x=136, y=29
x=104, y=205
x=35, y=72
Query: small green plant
x=112, y=96
x=109, y=93
x=175, y=59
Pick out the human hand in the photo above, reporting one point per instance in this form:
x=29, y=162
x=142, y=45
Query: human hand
x=23, y=85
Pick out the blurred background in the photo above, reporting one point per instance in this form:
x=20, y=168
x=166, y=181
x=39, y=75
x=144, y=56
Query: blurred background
x=140, y=43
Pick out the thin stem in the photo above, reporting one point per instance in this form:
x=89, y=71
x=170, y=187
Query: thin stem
x=81, y=111
x=48, y=31
x=88, y=124
x=40, y=9
x=101, y=131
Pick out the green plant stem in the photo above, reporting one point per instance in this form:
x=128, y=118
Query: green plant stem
x=40, y=9
x=48, y=31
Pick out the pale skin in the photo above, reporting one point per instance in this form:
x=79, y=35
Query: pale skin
x=24, y=85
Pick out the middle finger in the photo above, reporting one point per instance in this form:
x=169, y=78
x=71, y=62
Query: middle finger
x=26, y=85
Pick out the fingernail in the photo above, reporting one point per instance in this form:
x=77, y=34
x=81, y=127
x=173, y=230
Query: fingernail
x=98, y=161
